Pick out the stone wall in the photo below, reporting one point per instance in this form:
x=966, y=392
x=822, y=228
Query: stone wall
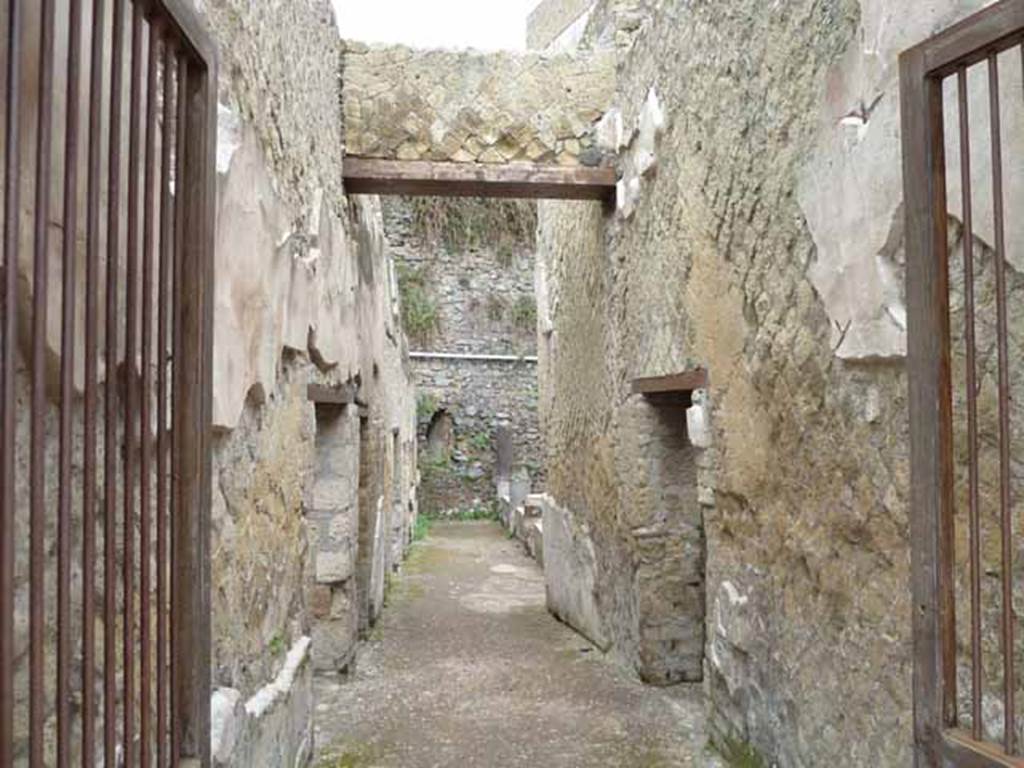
x=563, y=26
x=305, y=295
x=551, y=19
x=757, y=234
x=482, y=399
x=475, y=260
x=472, y=263
x=466, y=106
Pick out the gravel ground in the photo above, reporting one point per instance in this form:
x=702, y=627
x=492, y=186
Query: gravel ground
x=467, y=668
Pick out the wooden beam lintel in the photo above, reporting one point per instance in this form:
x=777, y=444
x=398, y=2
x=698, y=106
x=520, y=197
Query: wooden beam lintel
x=683, y=382
x=371, y=176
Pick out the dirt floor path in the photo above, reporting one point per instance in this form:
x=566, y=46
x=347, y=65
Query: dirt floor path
x=467, y=668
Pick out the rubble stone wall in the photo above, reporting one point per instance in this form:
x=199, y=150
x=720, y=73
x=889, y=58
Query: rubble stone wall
x=480, y=283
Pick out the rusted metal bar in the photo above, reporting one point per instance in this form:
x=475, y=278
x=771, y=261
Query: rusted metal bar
x=37, y=459
x=89, y=424
x=131, y=405
x=974, y=521
x=163, y=358
x=1002, y=334
x=67, y=382
x=110, y=411
x=149, y=216
x=9, y=333
x=180, y=141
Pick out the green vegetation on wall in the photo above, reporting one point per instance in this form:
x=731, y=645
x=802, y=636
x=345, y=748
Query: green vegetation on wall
x=739, y=753
x=524, y=313
x=426, y=407
x=496, y=306
x=420, y=316
x=459, y=224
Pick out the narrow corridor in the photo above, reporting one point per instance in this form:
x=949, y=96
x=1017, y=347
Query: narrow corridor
x=467, y=668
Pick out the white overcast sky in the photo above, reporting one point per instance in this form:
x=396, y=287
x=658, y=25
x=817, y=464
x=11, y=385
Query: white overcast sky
x=484, y=24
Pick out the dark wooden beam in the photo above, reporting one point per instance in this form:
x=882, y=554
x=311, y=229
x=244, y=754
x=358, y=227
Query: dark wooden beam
x=367, y=176
x=675, y=383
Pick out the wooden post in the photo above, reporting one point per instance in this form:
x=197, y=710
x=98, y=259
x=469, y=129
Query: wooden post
x=931, y=498
x=191, y=626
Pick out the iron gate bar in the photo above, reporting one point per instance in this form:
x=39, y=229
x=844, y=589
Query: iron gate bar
x=89, y=424
x=972, y=405
x=181, y=134
x=1005, y=509
x=195, y=404
x=37, y=459
x=110, y=414
x=9, y=333
x=166, y=256
x=977, y=39
x=67, y=362
x=145, y=418
x=130, y=388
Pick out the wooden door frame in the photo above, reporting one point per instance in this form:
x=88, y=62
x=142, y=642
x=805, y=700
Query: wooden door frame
x=937, y=740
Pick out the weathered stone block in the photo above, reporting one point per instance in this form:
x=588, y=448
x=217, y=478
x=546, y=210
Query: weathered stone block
x=334, y=566
x=227, y=718
x=334, y=643
x=332, y=492
x=279, y=717
x=320, y=600
x=570, y=574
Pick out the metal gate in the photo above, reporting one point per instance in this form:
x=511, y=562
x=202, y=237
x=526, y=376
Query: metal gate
x=936, y=82
x=108, y=149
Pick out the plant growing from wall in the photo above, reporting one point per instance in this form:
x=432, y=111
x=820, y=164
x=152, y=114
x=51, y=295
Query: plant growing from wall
x=276, y=645
x=421, y=318
x=524, y=313
x=479, y=511
x=496, y=307
x=421, y=529
x=739, y=753
x=426, y=407
x=480, y=441
x=460, y=224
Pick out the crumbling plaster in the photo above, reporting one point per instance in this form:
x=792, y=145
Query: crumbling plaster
x=851, y=186
x=305, y=293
